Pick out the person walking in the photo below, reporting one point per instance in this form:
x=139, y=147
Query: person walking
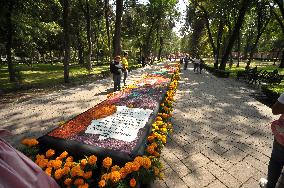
x=186, y=59
x=116, y=70
x=276, y=162
x=181, y=60
x=125, y=67
x=195, y=64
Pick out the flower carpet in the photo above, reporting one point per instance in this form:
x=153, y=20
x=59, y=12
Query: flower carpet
x=128, y=129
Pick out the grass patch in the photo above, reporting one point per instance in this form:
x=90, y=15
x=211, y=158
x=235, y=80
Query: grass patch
x=47, y=75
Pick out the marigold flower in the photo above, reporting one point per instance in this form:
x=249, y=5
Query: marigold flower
x=79, y=181
x=161, y=176
x=123, y=173
x=135, y=166
x=63, y=155
x=58, y=174
x=156, y=154
x=29, y=142
x=159, y=118
x=68, y=164
x=76, y=171
x=38, y=156
x=48, y=171
x=49, y=153
x=151, y=138
x=69, y=159
x=132, y=182
x=42, y=163
x=115, y=168
x=92, y=160
x=68, y=181
x=146, y=163
x=156, y=171
x=102, y=183
x=107, y=162
x=84, y=186
x=56, y=164
x=154, y=144
x=88, y=175
x=164, y=130
x=83, y=162
x=128, y=167
x=105, y=177
x=66, y=170
x=139, y=159
x=115, y=176
x=150, y=149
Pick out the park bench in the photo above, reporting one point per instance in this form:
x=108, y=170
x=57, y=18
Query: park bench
x=246, y=74
x=270, y=77
x=262, y=77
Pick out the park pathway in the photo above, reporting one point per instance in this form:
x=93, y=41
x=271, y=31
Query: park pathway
x=221, y=137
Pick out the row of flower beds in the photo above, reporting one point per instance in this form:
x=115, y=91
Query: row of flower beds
x=97, y=171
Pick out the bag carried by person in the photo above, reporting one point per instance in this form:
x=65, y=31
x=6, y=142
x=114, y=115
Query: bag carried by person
x=277, y=127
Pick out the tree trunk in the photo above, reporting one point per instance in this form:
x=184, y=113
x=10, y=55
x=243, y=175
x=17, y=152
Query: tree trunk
x=80, y=49
x=253, y=49
x=161, y=47
x=219, y=39
x=239, y=49
x=97, y=41
x=117, y=32
x=146, y=50
x=211, y=41
x=107, y=27
x=275, y=59
x=50, y=57
x=198, y=27
x=261, y=26
x=89, y=39
x=66, y=11
x=11, y=69
x=247, y=46
x=237, y=27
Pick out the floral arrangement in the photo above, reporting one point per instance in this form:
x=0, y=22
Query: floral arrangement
x=81, y=122
x=84, y=173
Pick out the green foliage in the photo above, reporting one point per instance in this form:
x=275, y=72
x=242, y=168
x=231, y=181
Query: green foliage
x=30, y=152
x=226, y=12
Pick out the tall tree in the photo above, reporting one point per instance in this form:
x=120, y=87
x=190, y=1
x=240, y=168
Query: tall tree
x=65, y=15
x=117, y=32
x=280, y=4
x=107, y=13
x=86, y=11
x=9, y=35
x=243, y=8
x=263, y=18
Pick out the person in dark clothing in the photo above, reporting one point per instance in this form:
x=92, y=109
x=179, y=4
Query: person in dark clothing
x=116, y=70
x=181, y=60
x=201, y=66
x=186, y=59
x=143, y=61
